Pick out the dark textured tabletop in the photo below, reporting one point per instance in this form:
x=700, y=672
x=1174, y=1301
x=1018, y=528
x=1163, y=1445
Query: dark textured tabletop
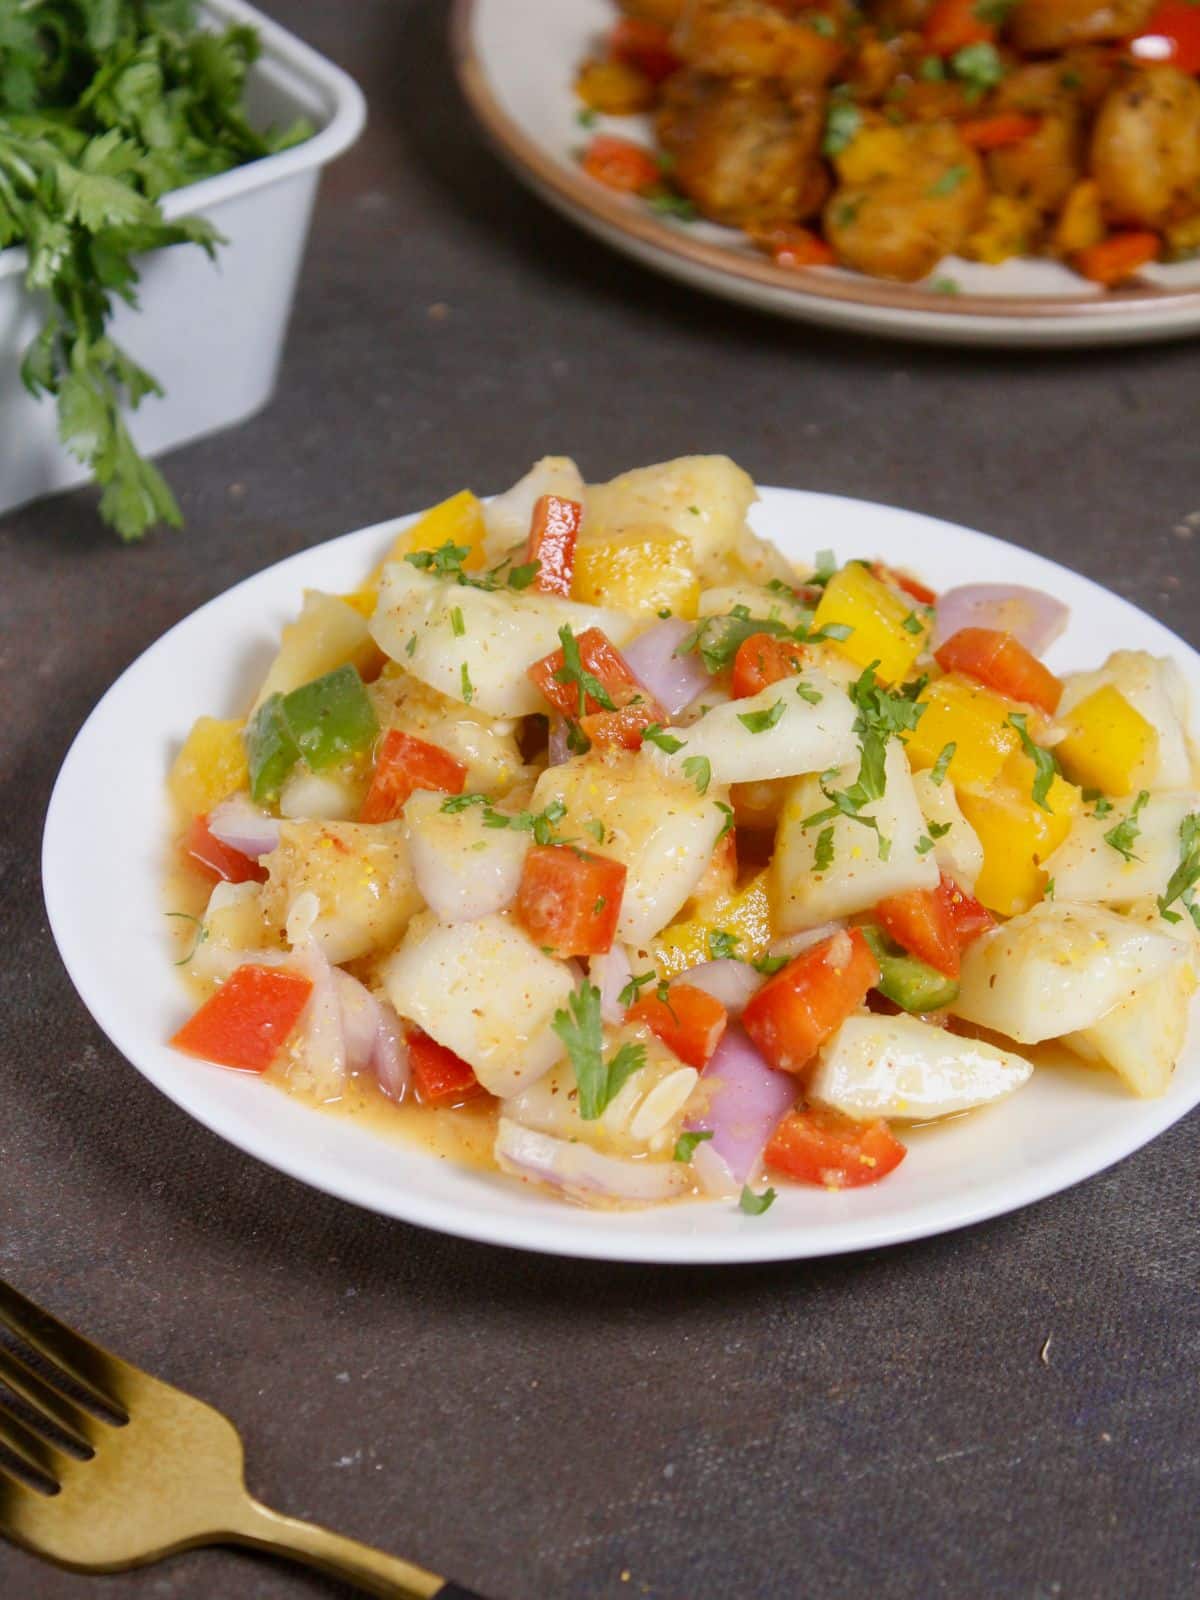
x=1009, y=1411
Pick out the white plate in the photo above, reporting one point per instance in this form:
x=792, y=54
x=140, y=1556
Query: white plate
x=516, y=62
x=102, y=869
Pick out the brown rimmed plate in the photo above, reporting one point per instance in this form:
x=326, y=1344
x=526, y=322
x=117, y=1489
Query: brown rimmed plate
x=516, y=61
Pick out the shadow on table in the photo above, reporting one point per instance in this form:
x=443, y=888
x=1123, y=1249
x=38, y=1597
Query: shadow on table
x=431, y=125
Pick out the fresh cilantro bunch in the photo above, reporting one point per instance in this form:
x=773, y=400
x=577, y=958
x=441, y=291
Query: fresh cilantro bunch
x=105, y=106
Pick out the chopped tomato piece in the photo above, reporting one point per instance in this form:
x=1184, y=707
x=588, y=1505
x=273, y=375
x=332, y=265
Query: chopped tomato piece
x=912, y=587
x=620, y=164
x=794, y=1012
x=789, y=245
x=219, y=861
x=249, y=1019
x=1001, y=662
x=689, y=1021
x=569, y=900
x=993, y=133
x=969, y=917
x=403, y=765
x=827, y=1148
x=552, y=535
x=763, y=659
x=644, y=45
x=922, y=923
x=1171, y=33
x=440, y=1075
x=601, y=660
x=1118, y=257
x=623, y=728
x=953, y=24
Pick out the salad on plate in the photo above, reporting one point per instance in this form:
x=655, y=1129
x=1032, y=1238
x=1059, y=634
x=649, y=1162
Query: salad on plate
x=592, y=841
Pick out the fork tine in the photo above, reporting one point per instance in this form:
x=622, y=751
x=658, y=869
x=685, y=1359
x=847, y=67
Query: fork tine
x=29, y=1447
x=67, y=1417
x=93, y=1369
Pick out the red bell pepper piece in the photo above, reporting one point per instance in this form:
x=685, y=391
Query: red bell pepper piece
x=688, y=1021
x=620, y=164
x=600, y=659
x=1001, y=662
x=921, y=922
x=644, y=45
x=439, y=1075
x=218, y=861
x=994, y=133
x=763, y=659
x=569, y=900
x=794, y=1012
x=552, y=536
x=789, y=245
x=951, y=25
x=969, y=917
x=1118, y=257
x=623, y=729
x=404, y=764
x=249, y=1019
x=832, y=1150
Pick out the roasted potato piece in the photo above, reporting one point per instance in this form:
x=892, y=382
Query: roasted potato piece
x=746, y=153
x=898, y=15
x=665, y=12
x=741, y=39
x=1041, y=25
x=1008, y=228
x=1042, y=169
x=900, y=223
x=1081, y=221
x=1146, y=148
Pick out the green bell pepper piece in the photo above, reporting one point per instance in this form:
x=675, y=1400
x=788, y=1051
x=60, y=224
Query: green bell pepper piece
x=330, y=718
x=270, y=750
x=906, y=982
x=321, y=723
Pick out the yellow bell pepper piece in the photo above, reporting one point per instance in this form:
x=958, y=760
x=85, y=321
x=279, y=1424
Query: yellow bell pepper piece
x=746, y=915
x=1004, y=230
x=458, y=520
x=210, y=767
x=1017, y=835
x=885, y=626
x=974, y=720
x=1108, y=745
x=363, y=601
x=636, y=572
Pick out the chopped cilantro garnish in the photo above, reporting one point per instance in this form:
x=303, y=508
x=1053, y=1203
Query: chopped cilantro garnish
x=841, y=127
x=1187, y=874
x=770, y=965
x=948, y=182
x=586, y=117
x=444, y=562
x=685, y=1145
x=980, y=68
x=699, y=770
x=574, y=671
x=457, y=626
x=924, y=845
x=581, y=1031
x=760, y=721
x=823, y=857
x=939, y=830
x=1048, y=891
x=913, y=624
x=939, y=769
x=460, y=802
x=728, y=814
x=1122, y=836
x=1045, y=766
x=656, y=735
x=755, y=1204
x=1103, y=806
x=596, y=828
x=634, y=987
x=521, y=577
x=806, y=692
x=468, y=688
x=722, y=946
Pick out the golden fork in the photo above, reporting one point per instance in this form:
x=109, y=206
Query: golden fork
x=143, y=1470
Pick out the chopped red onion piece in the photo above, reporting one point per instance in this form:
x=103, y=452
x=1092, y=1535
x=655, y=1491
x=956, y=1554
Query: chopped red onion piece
x=557, y=749
x=793, y=944
x=712, y=1172
x=731, y=982
x=390, y=1055
x=674, y=680
x=360, y=1020
x=239, y=823
x=584, y=1174
x=740, y=1100
x=610, y=973
x=1036, y=619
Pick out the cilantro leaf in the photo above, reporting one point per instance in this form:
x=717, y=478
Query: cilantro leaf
x=1045, y=766
x=823, y=856
x=727, y=811
x=1187, y=874
x=761, y=721
x=574, y=671
x=770, y=965
x=656, y=735
x=1122, y=836
x=582, y=1033
x=633, y=988
x=722, y=946
x=685, y=1145
x=940, y=767
x=699, y=770
x=755, y=1204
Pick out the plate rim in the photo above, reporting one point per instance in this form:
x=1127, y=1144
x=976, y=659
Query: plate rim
x=550, y=1232
x=606, y=211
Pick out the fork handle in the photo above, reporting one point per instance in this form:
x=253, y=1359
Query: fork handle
x=372, y=1571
